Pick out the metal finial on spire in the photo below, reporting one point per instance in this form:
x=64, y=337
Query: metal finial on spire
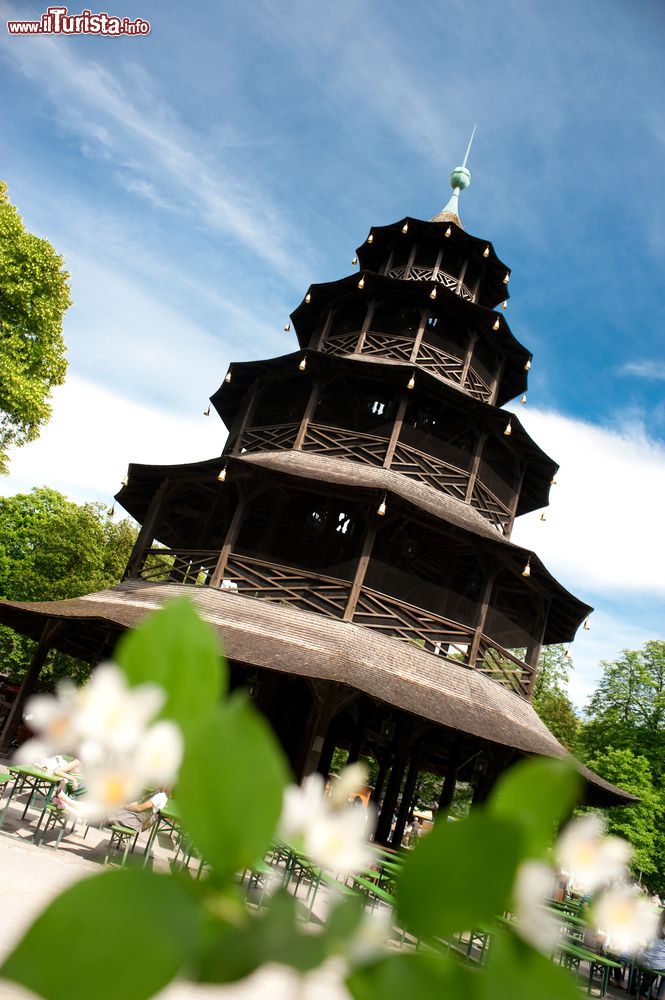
x=460, y=178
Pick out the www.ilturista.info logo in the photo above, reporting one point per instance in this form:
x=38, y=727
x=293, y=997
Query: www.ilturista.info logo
x=58, y=21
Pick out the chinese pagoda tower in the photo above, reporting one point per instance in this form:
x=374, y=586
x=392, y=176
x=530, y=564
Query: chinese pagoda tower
x=352, y=543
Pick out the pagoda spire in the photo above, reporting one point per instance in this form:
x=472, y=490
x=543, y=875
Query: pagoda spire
x=460, y=179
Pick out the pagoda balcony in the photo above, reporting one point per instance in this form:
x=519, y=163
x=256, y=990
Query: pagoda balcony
x=262, y=580
x=447, y=471
x=474, y=378
x=415, y=272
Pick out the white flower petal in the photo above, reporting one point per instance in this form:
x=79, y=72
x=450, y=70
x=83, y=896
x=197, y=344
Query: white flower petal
x=534, y=886
x=112, y=712
x=301, y=805
x=158, y=755
x=110, y=787
x=339, y=841
x=349, y=782
x=627, y=919
x=591, y=858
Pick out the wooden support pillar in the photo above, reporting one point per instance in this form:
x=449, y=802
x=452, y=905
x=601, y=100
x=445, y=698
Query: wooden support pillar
x=496, y=382
x=515, y=503
x=229, y=541
x=418, y=339
x=481, y=618
x=147, y=533
x=467, y=357
x=358, y=738
x=361, y=570
x=317, y=343
x=369, y=315
x=485, y=781
x=405, y=736
x=384, y=766
x=462, y=275
x=449, y=784
x=327, y=700
x=312, y=403
x=396, y=431
x=325, y=760
x=532, y=654
x=243, y=418
x=28, y=684
x=407, y=800
x=475, y=465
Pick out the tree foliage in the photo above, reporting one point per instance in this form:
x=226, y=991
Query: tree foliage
x=34, y=296
x=550, y=697
x=52, y=549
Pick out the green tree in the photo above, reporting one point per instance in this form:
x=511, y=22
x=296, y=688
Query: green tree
x=638, y=823
x=53, y=549
x=550, y=697
x=34, y=296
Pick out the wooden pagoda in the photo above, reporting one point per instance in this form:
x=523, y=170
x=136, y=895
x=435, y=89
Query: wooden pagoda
x=352, y=543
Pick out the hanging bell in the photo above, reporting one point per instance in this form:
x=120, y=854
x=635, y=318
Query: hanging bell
x=432, y=294
x=124, y=481
x=206, y=412
x=381, y=509
x=287, y=327
x=527, y=364
x=405, y=227
x=497, y=324
x=112, y=511
x=523, y=400
x=411, y=383
x=361, y=283
x=303, y=364
x=509, y=429
x=227, y=377
x=448, y=231
x=507, y=278
x=527, y=569
x=308, y=298
x=586, y=625
x=566, y=653
x=486, y=252
x=354, y=261
x=552, y=482
x=221, y=475
x=504, y=305
x=370, y=238
x=542, y=517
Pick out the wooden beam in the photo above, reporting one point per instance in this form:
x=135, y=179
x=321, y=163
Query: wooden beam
x=146, y=535
x=449, y=783
x=475, y=465
x=243, y=417
x=312, y=403
x=29, y=683
x=361, y=569
x=481, y=618
x=229, y=541
x=407, y=800
x=396, y=431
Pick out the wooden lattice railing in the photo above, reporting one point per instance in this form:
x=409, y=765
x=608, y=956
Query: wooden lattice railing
x=388, y=346
x=340, y=343
x=277, y=437
x=337, y=442
x=263, y=580
x=418, y=273
x=430, y=470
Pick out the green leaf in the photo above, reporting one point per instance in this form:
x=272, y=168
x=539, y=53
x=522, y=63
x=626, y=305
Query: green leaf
x=538, y=794
x=517, y=972
x=177, y=650
x=418, y=975
x=124, y=933
x=230, y=786
x=459, y=876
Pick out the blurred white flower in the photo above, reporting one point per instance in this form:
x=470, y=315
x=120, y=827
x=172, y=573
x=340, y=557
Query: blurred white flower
x=159, y=753
x=301, y=806
x=54, y=718
x=350, y=781
x=370, y=938
x=534, y=921
x=113, y=713
x=627, y=918
x=591, y=858
x=338, y=840
x=109, y=787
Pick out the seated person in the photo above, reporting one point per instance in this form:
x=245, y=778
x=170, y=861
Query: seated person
x=651, y=961
x=61, y=768
x=140, y=815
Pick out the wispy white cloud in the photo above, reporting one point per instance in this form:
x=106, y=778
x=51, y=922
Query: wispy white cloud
x=141, y=134
x=654, y=370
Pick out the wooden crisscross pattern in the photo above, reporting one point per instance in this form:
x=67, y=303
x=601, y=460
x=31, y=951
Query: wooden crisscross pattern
x=340, y=343
x=417, y=273
x=503, y=666
x=487, y=504
x=476, y=386
x=339, y=443
x=430, y=470
x=269, y=582
x=276, y=437
x=409, y=623
x=388, y=346
x=190, y=566
x=441, y=363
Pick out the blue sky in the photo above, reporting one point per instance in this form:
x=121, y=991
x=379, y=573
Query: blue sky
x=198, y=179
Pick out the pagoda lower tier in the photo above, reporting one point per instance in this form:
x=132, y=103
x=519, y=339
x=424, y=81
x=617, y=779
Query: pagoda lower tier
x=327, y=683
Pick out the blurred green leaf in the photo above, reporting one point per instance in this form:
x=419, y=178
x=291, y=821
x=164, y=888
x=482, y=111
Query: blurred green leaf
x=230, y=787
x=517, y=972
x=124, y=933
x=538, y=794
x=415, y=976
x=176, y=649
x=459, y=876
